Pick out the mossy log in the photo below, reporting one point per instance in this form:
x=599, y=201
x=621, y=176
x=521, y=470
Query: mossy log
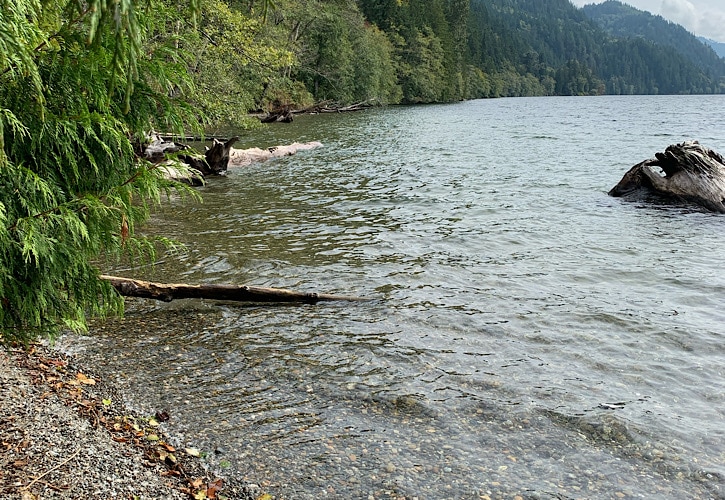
x=237, y=293
x=689, y=172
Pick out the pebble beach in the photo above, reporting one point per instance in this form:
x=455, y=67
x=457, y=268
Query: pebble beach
x=66, y=433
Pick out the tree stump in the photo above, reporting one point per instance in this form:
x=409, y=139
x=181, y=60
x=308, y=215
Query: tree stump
x=216, y=158
x=214, y=162
x=687, y=172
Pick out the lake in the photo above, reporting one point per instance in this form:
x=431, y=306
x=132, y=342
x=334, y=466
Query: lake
x=528, y=335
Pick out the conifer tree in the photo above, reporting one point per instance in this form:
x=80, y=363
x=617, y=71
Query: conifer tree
x=77, y=92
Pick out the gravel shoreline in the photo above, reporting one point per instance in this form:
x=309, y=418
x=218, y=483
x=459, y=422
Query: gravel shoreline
x=66, y=433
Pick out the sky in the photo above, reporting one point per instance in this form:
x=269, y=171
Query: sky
x=701, y=17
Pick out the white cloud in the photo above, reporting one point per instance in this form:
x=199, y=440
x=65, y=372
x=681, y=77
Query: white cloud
x=702, y=17
x=711, y=24
x=682, y=12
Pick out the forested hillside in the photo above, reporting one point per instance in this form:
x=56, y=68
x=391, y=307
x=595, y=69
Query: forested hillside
x=718, y=47
x=623, y=21
x=82, y=84
x=444, y=50
x=249, y=55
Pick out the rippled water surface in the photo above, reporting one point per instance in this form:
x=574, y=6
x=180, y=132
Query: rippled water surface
x=528, y=335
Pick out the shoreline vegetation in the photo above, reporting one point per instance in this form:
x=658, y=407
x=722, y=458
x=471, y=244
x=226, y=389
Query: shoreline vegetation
x=82, y=84
x=66, y=432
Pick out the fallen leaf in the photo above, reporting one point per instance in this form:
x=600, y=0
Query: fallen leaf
x=167, y=447
x=152, y=437
x=265, y=496
x=85, y=380
x=213, y=488
x=106, y=402
x=194, y=452
x=56, y=362
x=196, y=482
x=153, y=422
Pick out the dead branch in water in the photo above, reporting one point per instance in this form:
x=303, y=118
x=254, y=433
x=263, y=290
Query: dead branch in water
x=238, y=293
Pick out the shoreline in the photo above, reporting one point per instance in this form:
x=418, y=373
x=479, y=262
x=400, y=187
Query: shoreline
x=66, y=432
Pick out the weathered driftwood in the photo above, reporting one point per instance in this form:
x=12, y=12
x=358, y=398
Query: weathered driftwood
x=237, y=293
x=214, y=161
x=283, y=115
x=244, y=157
x=217, y=159
x=686, y=171
x=332, y=107
x=158, y=149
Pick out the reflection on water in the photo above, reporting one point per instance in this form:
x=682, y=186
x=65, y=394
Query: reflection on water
x=530, y=335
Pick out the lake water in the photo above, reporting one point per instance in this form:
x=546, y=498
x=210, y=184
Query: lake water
x=529, y=335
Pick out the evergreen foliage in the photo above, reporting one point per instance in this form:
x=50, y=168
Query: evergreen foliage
x=558, y=44
x=77, y=91
x=83, y=82
x=625, y=22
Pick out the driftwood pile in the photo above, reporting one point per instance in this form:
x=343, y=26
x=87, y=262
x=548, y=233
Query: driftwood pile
x=286, y=114
x=686, y=172
x=216, y=159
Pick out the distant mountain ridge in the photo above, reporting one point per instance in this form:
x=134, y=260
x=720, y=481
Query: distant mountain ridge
x=624, y=21
x=718, y=47
x=446, y=50
x=570, y=53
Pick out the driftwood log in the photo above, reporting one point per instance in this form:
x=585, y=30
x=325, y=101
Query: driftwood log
x=283, y=115
x=217, y=159
x=688, y=172
x=244, y=157
x=237, y=293
x=214, y=161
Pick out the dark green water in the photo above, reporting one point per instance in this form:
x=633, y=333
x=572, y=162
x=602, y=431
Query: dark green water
x=529, y=335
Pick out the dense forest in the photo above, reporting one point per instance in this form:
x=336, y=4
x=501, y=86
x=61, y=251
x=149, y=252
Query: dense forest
x=423, y=51
x=82, y=82
x=622, y=21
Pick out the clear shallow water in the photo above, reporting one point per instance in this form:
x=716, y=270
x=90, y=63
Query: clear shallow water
x=530, y=335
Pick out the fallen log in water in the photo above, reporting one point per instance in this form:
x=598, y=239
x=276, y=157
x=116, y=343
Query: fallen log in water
x=283, y=115
x=214, y=161
x=686, y=171
x=237, y=293
x=217, y=159
x=244, y=157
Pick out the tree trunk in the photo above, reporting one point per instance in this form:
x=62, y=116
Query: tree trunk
x=686, y=171
x=238, y=293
